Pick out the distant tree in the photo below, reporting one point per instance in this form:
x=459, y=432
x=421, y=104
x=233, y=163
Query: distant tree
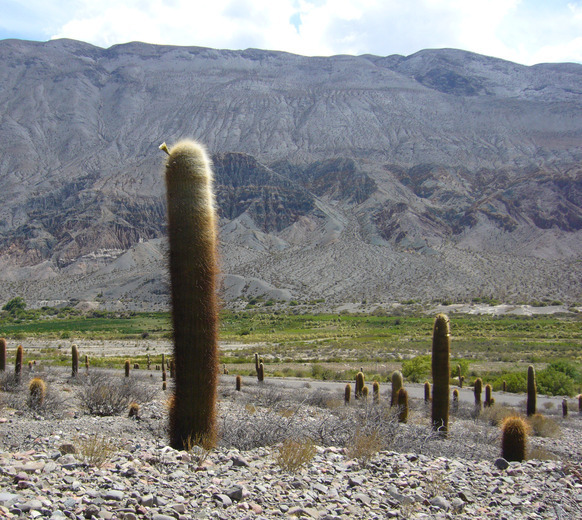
x=15, y=305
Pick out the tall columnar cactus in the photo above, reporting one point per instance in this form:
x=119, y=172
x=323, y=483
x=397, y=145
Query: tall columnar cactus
x=376, y=391
x=74, y=360
x=488, y=399
x=402, y=403
x=238, y=383
x=564, y=407
x=532, y=391
x=478, y=390
x=18, y=361
x=513, y=439
x=441, y=345
x=426, y=392
x=127, y=367
x=37, y=389
x=149, y=362
x=365, y=392
x=347, y=394
x=580, y=403
x=86, y=362
x=257, y=363
x=193, y=273
x=2, y=354
x=261, y=374
x=396, y=380
x=360, y=382
x=504, y=386
x=460, y=376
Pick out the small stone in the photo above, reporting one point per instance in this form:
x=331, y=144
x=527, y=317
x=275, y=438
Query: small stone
x=237, y=460
x=501, y=463
x=113, y=494
x=91, y=510
x=223, y=499
x=440, y=502
x=147, y=500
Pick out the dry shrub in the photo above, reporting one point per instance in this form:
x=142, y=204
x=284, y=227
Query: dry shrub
x=542, y=454
x=293, y=455
x=96, y=449
x=199, y=447
x=103, y=394
x=364, y=446
x=495, y=415
x=542, y=426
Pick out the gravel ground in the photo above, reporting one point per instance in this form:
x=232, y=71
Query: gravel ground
x=58, y=461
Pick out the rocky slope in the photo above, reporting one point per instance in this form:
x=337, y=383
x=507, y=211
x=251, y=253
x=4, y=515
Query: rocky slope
x=342, y=178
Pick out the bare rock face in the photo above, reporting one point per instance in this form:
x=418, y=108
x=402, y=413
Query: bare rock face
x=339, y=178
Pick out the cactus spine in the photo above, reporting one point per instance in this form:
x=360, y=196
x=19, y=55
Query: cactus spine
x=396, y=380
x=531, y=391
x=193, y=272
x=347, y=394
x=402, y=403
x=513, y=439
x=2, y=354
x=477, y=390
x=441, y=345
x=360, y=383
x=74, y=361
x=426, y=392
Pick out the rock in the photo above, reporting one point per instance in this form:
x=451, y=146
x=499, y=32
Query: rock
x=113, y=494
x=440, y=502
x=222, y=499
x=501, y=463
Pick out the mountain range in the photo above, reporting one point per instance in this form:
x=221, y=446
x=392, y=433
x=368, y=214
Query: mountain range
x=441, y=175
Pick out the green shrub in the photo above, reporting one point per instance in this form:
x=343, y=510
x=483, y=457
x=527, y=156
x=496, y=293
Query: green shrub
x=417, y=369
x=552, y=382
x=516, y=382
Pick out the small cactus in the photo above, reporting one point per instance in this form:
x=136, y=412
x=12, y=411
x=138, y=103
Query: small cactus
x=149, y=362
x=504, y=386
x=402, y=403
x=460, y=376
x=238, y=383
x=164, y=377
x=531, y=391
x=396, y=380
x=37, y=389
x=376, y=391
x=478, y=390
x=441, y=345
x=455, y=399
x=127, y=366
x=224, y=370
x=86, y=363
x=164, y=385
x=426, y=392
x=257, y=363
x=564, y=407
x=365, y=392
x=347, y=394
x=488, y=399
x=261, y=372
x=18, y=361
x=74, y=360
x=360, y=383
x=513, y=439
x=133, y=410
x=2, y=354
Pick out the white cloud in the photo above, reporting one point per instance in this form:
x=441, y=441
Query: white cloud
x=511, y=29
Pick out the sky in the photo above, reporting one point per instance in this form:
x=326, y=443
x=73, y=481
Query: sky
x=523, y=31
